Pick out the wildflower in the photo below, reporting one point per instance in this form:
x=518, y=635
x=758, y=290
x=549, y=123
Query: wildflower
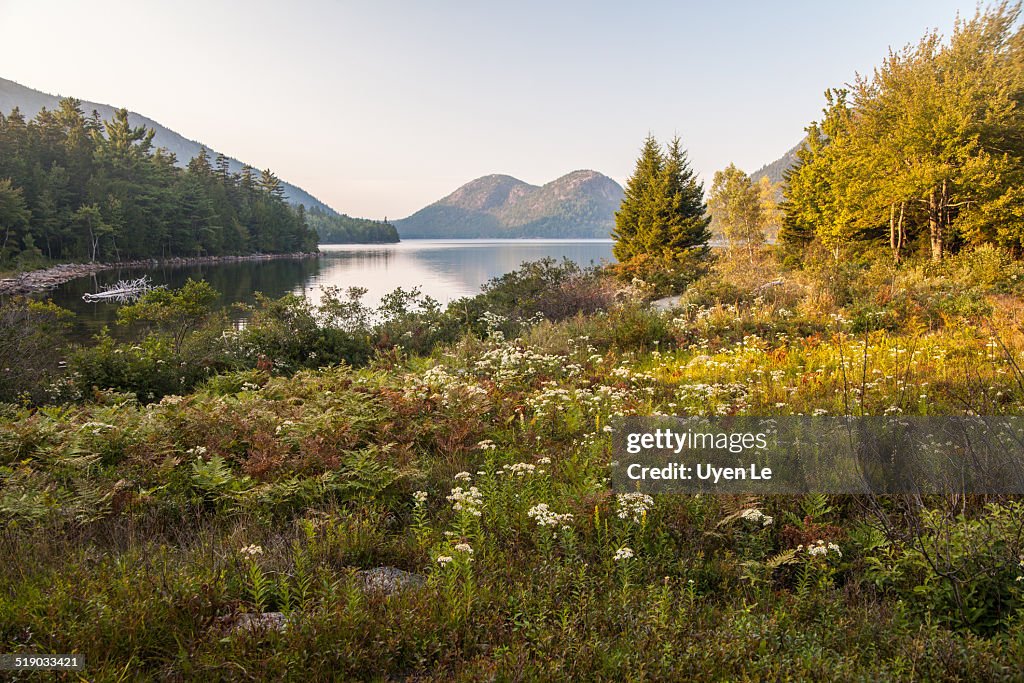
x=520, y=469
x=634, y=506
x=251, y=551
x=820, y=549
x=463, y=476
x=544, y=461
x=546, y=517
x=443, y=560
x=468, y=500
x=623, y=553
x=463, y=548
x=755, y=515
x=420, y=497
x=486, y=445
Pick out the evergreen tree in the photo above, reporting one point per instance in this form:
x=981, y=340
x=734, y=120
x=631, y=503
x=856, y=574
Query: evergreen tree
x=685, y=230
x=662, y=227
x=636, y=215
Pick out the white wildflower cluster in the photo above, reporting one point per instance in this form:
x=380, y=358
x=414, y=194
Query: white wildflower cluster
x=96, y=427
x=634, y=506
x=463, y=476
x=758, y=517
x=437, y=384
x=550, y=400
x=624, y=372
x=284, y=426
x=493, y=322
x=463, y=548
x=419, y=498
x=466, y=500
x=599, y=399
x=519, y=469
x=510, y=362
x=197, y=450
x=443, y=560
x=719, y=397
x=486, y=445
x=623, y=553
x=544, y=516
x=251, y=551
x=821, y=549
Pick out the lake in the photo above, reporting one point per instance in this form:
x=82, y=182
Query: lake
x=443, y=269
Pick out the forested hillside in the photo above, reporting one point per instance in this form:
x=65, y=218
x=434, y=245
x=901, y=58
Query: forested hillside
x=73, y=187
x=336, y=228
x=30, y=102
x=775, y=171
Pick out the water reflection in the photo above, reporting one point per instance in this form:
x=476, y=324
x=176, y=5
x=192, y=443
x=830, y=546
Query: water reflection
x=443, y=269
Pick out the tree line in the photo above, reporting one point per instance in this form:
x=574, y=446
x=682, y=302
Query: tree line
x=343, y=229
x=75, y=187
x=925, y=154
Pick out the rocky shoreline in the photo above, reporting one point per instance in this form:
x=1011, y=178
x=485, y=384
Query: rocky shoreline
x=48, y=278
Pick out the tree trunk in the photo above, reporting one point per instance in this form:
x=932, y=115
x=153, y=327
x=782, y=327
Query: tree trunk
x=897, y=232
x=935, y=224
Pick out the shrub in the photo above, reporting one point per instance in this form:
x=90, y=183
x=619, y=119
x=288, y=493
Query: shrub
x=33, y=335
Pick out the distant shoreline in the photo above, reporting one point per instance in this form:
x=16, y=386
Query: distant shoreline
x=47, y=278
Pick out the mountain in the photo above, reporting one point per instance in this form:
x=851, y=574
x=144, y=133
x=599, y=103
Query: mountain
x=775, y=170
x=30, y=101
x=579, y=204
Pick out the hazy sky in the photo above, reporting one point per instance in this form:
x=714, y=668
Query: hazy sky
x=379, y=108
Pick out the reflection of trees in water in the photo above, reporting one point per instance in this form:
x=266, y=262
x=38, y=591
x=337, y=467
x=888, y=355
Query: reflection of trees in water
x=375, y=257
x=444, y=270
x=237, y=282
x=474, y=266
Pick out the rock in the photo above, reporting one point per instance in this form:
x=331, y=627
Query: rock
x=388, y=580
x=666, y=304
x=264, y=621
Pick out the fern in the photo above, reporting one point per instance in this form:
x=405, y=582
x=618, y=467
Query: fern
x=785, y=557
x=260, y=587
x=735, y=506
x=815, y=505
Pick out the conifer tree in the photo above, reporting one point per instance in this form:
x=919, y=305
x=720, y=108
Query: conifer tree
x=661, y=229
x=636, y=214
x=685, y=230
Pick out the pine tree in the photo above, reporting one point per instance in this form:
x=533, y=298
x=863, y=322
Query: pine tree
x=661, y=229
x=635, y=216
x=685, y=231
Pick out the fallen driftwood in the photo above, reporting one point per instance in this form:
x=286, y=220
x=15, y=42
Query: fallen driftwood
x=122, y=291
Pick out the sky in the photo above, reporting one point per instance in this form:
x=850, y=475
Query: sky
x=381, y=107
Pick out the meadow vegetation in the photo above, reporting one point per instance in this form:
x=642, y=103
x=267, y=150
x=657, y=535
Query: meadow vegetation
x=174, y=478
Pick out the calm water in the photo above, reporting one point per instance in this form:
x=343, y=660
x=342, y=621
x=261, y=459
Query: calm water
x=443, y=269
